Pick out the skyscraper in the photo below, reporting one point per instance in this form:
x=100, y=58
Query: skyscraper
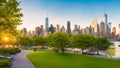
x=37, y=31
x=62, y=29
x=51, y=29
x=24, y=31
x=113, y=34
x=102, y=29
x=109, y=29
x=95, y=26
x=119, y=29
x=105, y=20
x=57, y=28
x=68, y=27
x=75, y=27
x=46, y=31
x=114, y=30
x=46, y=24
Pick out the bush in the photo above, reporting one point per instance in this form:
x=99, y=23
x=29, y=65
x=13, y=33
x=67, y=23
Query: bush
x=8, y=51
x=5, y=63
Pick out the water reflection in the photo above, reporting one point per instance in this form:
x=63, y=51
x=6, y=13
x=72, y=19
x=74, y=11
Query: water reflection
x=117, y=49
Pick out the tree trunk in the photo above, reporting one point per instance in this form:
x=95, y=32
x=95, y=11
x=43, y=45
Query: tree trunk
x=62, y=49
x=82, y=51
x=97, y=52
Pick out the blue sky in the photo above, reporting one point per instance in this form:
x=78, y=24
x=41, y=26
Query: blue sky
x=80, y=12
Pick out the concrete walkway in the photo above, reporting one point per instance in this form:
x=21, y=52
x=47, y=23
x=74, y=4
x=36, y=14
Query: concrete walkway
x=20, y=60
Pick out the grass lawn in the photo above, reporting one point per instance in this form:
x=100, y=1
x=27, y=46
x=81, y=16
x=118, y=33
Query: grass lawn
x=49, y=59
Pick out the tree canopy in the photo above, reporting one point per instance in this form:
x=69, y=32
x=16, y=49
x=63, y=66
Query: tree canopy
x=10, y=16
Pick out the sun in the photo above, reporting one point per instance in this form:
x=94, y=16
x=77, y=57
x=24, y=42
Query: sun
x=6, y=38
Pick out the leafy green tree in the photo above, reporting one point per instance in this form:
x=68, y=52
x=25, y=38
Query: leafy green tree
x=10, y=16
x=25, y=41
x=103, y=43
x=83, y=41
x=59, y=41
x=39, y=41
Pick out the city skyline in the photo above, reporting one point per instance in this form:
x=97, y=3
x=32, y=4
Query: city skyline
x=61, y=11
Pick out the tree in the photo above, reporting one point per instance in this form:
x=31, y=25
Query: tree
x=58, y=41
x=10, y=16
x=39, y=40
x=103, y=43
x=25, y=41
x=83, y=41
x=111, y=51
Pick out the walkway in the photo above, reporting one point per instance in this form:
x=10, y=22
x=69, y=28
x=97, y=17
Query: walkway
x=20, y=60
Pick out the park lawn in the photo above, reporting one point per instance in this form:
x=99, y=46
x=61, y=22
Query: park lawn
x=50, y=59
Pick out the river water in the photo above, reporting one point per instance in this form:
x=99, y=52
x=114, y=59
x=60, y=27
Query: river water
x=117, y=49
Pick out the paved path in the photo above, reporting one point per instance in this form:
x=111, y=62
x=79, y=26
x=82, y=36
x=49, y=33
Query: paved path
x=20, y=60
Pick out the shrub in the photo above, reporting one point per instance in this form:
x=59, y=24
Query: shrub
x=5, y=63
x=8, y=51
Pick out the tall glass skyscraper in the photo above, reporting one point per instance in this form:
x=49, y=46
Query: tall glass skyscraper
x=68, y=27
x=46, y=23
x=105, y=20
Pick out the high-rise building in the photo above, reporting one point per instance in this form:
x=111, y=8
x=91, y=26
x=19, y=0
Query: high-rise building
x=46, y=31
x=95, y=26
x=102, y=29
x=113, y=34
x=62, y=29
x=57, y=28
x=51, y=29
x=46, y=24
x=68, y=27
x=105, y=20
x=114, y=30
x=41, y=31
x=37, y=31
x=119, y=29
x=75, y=27
x=24, y=31
x=109, y=30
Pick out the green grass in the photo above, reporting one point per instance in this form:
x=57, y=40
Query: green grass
x=49, y=59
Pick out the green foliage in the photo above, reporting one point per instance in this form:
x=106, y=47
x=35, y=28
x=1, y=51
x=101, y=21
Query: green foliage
x=39, y=40
x=9, y=51
x=5, y=63
x=58, y=40
x=111, y=51
x=10, y=16
x=49, y=59
x=25, y=41
x=83, y=41
x=102, y=43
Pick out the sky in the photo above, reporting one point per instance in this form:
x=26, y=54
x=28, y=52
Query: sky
x=80, y=12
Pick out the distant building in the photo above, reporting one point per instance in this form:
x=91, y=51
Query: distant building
x=95, y=26
x=37, y=31
x=57, y=28
x=119, y=30
x=105, y=20
x=113, y=34
x=46, y=30
x=41, y=31
x=109, y=30
x=24, y=31
x=102, y=29
x=62, y=29
x=76, y=30
x=68, y=27
x=51, y=29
